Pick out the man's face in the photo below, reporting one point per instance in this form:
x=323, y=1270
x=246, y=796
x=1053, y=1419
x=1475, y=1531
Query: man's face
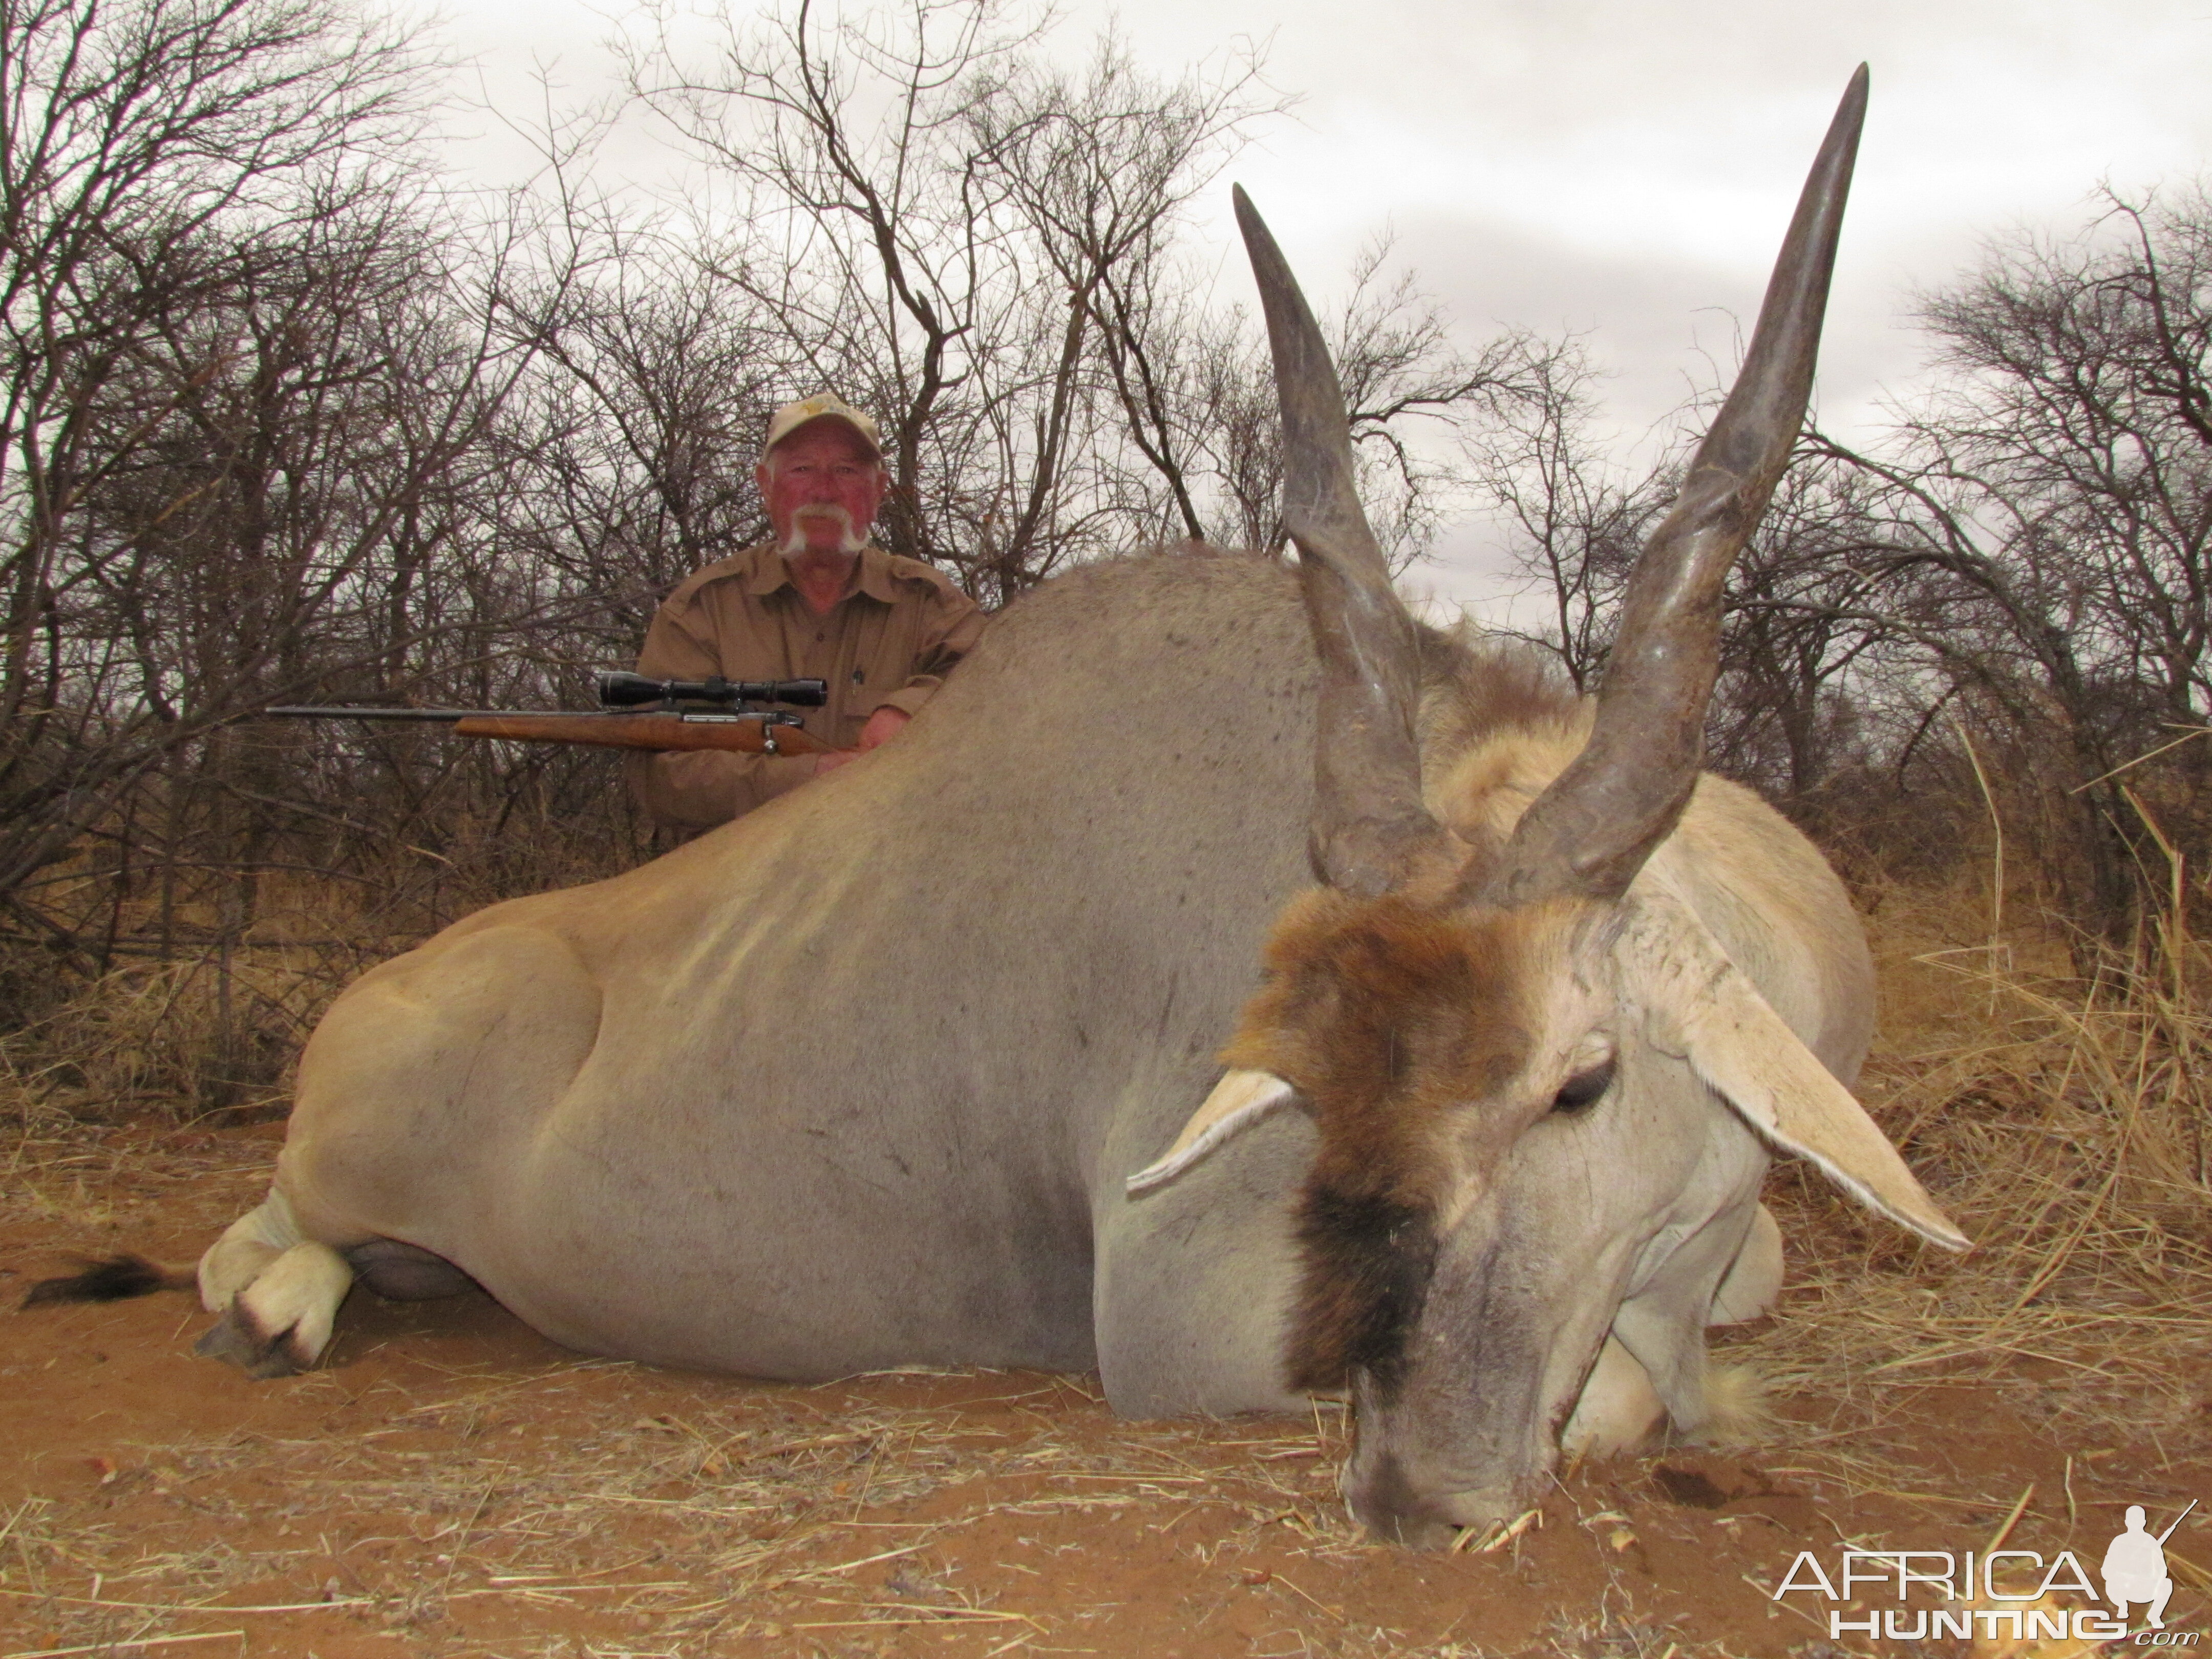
x=823, y=486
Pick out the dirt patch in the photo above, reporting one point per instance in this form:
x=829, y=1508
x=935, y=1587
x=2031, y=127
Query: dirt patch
x=452, y=1483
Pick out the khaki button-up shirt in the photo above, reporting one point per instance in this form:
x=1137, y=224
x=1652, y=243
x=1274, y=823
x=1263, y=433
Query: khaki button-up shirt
x=887, y=643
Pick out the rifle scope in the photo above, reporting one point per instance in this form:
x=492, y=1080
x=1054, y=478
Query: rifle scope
x=623, y=690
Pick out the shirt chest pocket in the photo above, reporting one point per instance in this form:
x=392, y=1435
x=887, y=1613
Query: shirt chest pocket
x=882, y=660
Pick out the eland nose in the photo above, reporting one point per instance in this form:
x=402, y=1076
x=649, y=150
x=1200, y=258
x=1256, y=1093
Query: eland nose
x=1398, y=1509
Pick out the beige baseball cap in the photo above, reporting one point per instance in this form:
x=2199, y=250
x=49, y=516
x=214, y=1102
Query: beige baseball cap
x=825, y=406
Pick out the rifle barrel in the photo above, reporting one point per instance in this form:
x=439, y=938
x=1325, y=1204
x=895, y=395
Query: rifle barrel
x=317, y=712
x=320, y=712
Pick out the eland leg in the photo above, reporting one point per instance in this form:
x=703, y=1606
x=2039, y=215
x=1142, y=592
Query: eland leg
x=1754, y=1284
x=280, y=1324
x=277, y=1290
x=246, y=1248
x=1619, y=1407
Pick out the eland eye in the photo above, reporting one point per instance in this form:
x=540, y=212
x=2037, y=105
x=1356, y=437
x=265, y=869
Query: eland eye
x=1582, y=1090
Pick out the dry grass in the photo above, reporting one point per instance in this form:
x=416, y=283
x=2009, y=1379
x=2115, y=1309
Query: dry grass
x=2063, y=1123
x=179, y=1037
x=208, y=1028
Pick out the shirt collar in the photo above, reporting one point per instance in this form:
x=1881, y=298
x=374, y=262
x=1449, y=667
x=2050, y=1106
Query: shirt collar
x=873, y=578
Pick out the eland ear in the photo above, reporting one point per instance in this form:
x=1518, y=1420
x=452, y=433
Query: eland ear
x=1240, y=1100
x=1742, y=1050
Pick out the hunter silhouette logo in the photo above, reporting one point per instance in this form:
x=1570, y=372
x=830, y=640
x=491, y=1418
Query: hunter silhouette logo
x=2135, y=1567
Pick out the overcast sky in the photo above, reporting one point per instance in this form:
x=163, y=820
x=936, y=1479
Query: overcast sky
x=1626, y=169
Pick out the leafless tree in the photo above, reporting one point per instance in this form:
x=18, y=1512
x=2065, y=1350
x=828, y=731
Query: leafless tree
x=1417, y=403
x=2045, y=524
x=987, y=248
x=1574, y=520
x=157, y=153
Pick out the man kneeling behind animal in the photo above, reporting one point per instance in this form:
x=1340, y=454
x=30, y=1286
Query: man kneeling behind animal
x=818, y=601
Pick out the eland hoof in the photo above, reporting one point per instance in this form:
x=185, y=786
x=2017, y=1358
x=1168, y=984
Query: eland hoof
x=236, y=1340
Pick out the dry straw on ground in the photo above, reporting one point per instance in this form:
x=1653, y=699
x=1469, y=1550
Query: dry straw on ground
x=2063, y=1121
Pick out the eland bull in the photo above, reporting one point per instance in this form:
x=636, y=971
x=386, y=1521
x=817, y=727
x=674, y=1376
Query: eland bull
x=903, y=1067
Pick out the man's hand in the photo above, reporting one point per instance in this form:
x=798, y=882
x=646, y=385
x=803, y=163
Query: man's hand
x=883, y=726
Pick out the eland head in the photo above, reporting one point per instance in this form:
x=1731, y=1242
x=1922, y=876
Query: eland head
x=1543, y=1091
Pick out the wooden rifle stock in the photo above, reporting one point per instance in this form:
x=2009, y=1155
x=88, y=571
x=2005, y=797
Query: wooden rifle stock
x=739, y=735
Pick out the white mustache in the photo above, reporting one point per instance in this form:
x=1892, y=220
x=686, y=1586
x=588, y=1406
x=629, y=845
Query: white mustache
x=849, y=539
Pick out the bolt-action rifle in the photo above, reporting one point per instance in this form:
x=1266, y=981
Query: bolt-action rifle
x=634, y=713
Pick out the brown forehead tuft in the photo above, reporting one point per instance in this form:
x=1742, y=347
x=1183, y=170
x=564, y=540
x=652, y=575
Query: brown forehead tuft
x=1387, y=1014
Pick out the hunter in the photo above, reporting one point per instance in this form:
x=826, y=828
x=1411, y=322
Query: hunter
x=819, y=600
